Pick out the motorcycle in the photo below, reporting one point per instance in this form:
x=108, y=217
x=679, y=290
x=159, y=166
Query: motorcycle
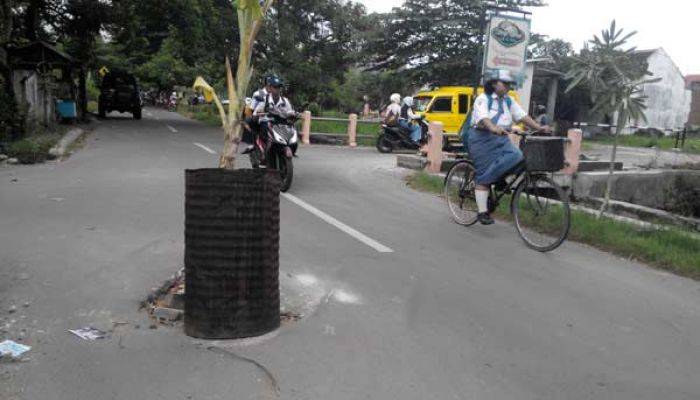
x=395, y=137
x=172, y=104
x=276, y=145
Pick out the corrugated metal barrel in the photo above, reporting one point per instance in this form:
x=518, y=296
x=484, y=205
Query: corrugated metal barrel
x=231, y=253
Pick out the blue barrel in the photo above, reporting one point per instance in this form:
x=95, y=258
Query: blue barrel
x=66, y=109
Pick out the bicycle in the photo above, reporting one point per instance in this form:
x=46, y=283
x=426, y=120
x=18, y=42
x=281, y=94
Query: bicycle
x=539, y=206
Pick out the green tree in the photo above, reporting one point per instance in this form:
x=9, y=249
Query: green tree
x=615, y=79
x=79, y=24
x=543, y=47
x=433, y=42
x=311, y=44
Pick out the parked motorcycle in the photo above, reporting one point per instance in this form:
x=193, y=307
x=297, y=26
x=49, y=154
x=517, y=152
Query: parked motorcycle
x=395, y=137
x=276, y=144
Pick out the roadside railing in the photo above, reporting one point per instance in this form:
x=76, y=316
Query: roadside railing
x=350, y=132
x=679, y=134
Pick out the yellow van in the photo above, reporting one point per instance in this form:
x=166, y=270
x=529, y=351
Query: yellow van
x=449, y=105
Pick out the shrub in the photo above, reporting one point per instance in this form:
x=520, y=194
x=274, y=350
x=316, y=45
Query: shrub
x=32, y=150
x=684, y=198
x=315, y=109
x=26, y=151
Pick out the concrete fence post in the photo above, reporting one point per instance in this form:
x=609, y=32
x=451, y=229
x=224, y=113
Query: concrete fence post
x=435, y=147
x=573, y=151
x=352, y=130
x=306, y=127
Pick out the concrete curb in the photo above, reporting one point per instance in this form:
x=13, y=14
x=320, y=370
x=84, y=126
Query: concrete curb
x=66, y=141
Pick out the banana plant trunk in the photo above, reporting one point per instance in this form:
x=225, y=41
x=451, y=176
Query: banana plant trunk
x=231, y=143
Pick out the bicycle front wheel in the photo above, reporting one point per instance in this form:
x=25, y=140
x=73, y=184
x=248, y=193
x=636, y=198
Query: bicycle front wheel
x=541, y=211
x=459, y=193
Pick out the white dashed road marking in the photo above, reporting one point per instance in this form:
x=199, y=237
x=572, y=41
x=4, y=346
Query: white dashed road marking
x=173, y=130
x=205, y=148
x=343, y=227
x=359, y=236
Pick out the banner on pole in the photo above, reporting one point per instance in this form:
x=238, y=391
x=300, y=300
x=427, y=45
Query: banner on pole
x=506, y=46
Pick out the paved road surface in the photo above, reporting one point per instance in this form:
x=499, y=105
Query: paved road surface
x=451, y=313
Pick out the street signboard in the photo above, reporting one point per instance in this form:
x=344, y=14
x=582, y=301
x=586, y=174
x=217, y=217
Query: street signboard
x=506, y=45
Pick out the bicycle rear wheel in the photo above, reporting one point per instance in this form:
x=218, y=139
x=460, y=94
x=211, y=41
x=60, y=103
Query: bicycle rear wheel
x=459, y=193
x=541, y=211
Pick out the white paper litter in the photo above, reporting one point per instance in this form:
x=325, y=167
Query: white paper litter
x=88, y=333
x=13, y=349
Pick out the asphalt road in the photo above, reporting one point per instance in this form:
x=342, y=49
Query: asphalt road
x=401, y=303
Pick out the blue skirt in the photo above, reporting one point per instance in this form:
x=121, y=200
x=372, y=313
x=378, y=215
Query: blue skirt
x=493, y=155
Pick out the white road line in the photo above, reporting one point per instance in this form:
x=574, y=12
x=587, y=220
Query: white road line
x=205, y=148
x=148, y=113
x=173, y=130
x=350, y=231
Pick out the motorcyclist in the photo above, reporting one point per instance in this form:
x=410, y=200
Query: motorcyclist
x=491, y=150
x=542, y=118
x=393, y=110
x=251, y=122
x=407, y=117
x=274, y=101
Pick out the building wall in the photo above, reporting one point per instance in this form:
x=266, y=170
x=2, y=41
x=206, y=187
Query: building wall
x=669, y=100
x=694, y=118
x=29, y=91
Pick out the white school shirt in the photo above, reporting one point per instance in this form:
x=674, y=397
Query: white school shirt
x=394, y=109
x=260, y=94
x=283, y=106
x=510, y=115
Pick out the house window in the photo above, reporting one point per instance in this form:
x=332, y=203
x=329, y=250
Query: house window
x=442, y=104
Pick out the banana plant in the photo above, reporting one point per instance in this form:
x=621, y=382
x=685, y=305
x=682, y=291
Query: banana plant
x=250, y=20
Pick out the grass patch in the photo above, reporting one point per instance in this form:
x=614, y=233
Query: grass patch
x=33, y=149
x=92, y=107
x=207, y=113
x=424, y=182
x=341, y=127
x=672, y=249
x=692, y=144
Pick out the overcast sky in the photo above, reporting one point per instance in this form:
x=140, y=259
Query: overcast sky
x=671, y=24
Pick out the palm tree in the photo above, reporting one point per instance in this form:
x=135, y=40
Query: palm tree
x=250, y=19
x=615, y=77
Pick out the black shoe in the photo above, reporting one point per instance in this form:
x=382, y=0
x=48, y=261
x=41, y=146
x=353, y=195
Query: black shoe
x=249, y=149
x=485, y=219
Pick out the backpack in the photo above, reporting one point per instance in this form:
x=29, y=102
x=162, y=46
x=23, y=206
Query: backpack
x=267, y=102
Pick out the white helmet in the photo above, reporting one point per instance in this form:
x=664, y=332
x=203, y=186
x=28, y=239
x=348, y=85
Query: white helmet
x=502, y=75
x=408, y=100
x=395, y=98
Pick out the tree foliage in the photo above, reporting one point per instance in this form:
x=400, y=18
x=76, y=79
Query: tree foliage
x=434, y=42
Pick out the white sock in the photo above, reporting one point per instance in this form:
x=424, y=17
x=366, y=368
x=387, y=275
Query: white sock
x=482, y=200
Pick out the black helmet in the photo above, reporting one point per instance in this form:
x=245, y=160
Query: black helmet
x=274, y=81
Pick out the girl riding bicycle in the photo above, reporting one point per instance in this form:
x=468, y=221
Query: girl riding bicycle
x=486, y=137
